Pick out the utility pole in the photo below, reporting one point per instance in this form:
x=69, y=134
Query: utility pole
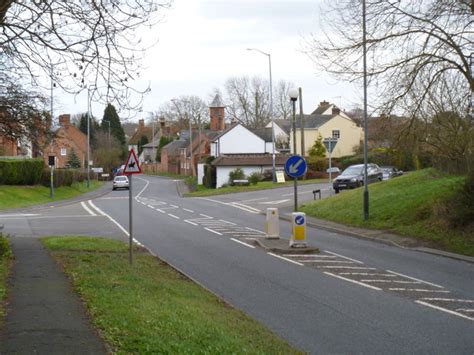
x=303, y=150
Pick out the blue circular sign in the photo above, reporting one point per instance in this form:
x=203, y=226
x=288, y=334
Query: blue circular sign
x=295, y=166
x=299, y=220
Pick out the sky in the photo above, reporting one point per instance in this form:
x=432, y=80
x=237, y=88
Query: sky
x=202, y=43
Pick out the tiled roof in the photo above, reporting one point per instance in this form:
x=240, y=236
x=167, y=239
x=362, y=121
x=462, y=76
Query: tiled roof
x=139, y=133
x=217, y=102
x=313, y=121
x=264, y=133
x=249, y=160
x=285, y=125
x=174, y=147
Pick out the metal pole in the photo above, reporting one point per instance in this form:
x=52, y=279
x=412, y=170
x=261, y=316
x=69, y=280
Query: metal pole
x=271, y=117
x=51, y=192
x=88, y=138
x=130, y=220
x=303, y=150
x=294, y=150
x=364, y=40
x=191, y=168
x=153, y=141
x=330, y=165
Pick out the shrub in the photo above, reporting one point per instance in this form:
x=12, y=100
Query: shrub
x=64, y=177
x=312, y=174
x=21, y=172
x=5, y=251
x=267, y=175
x=460, y=207
x=237, y=174
x=255, y=177
x=191, y=182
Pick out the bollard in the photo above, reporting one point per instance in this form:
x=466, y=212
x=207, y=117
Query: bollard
x=272, y=224
x=298, y=238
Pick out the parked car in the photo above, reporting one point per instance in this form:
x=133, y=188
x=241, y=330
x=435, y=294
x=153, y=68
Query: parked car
x=353, y=176
x=120, y=182
x=390, y=172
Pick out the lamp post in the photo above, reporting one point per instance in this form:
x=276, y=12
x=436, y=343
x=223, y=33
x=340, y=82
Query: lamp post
x=88, y=137
x=364, y=40
x=271, y=108
x=293, y=93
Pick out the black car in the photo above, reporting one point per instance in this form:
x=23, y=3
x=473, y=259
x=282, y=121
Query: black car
x=353, y=176
x=390, y=172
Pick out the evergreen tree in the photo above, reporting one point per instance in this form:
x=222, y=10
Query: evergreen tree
x=92, y=128
x=318, y=150
x=116, y=129
x=73, y=160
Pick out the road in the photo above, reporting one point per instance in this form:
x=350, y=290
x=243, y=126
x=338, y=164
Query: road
x=356, y=296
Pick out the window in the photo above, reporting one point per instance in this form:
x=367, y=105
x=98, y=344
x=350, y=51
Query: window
x=336, y=133
x=63, y=151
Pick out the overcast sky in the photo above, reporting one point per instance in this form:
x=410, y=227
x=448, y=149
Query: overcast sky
x=201, y=43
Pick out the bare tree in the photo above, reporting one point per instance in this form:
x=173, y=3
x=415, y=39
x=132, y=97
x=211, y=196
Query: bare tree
x=282, y=107
x=412, y=45
x=79, y=44
x=183, y=108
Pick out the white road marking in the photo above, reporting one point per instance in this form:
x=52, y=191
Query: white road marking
x=144, y=188
x=273, y=202
x=18, y=215
x=344, y=257
x=299, y=193
x=326, y=261
x=173, y=216
x=160, y=210
x=232, y=224
x=467, y=310
x=417, y=290
x=113, y=198
x=188, y=210
x=393, y=281
x=245, y=207
x=240, y=242
x=443, y=309
x=194, y=224
x=312, y=256
x=365, y=274
x=109, y=217
x=205, y=215
x=87, y=209
x=348, y=267
x=212, y=231
x=255, y=199
x=255, y=230
x=353, y=281
x=457, y=300
x=289, y=260
x=150, y=206
x=174, y=206
x=415, y=279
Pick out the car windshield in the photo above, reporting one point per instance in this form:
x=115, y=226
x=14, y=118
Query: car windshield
x=354, y=170
x=121, y=178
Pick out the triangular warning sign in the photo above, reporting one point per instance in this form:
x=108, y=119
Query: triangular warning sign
x=132, y=166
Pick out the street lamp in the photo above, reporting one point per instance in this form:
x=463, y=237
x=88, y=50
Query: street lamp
x=364, y=40
x=271, y=108
x=293, y=93
x=88, y=137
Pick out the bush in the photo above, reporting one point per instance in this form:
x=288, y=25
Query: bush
x=460, y=207
x=64, y=177
x=312, y=174
x=267, y=175
x=237, y=174
x=191, y=182
x=255, y=178
x=21, y=172
x=318, y=164
x=5, y=251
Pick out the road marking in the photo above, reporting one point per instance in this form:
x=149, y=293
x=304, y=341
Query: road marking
x=443, y=309
x=160, y=210
x=173, y=216
x=231, y=223
x=299, y=193
x=174, y=206
x=393, y=281
x=415, y=279
x=212, y=231
x=327, y=261
x=146, y=185
x=353, y=281
x=194, y=224
x=312, y=256
x=273, y=202
x=150, y=206
x=113, y=198
x=365, y=274
x=87, y=209
x=205, y=215
x=344, y=257
x=417, y=290
x=286, y=259
x=245, y=207
x=348, y=267
x=254, y=199
x=467, y=310
x=255, y=230
x=109, y=217
x=18, y=215
x=447, y=300
x=188, y=210
x=240, y=242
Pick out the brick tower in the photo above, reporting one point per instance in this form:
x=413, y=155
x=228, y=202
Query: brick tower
x=217, y=113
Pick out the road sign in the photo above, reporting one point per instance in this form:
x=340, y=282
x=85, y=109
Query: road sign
x=299, y=219
x=132, y=166
x=298, y=238
x=295, y=166
x=330, y=143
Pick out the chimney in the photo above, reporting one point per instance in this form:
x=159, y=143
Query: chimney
x=217, y=114
x=336, y=110
x=65, y=120
x=141, y=124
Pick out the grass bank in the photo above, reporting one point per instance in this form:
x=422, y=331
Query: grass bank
x=409, y=205
x=5, y=263
x=151, y=308
x=165, y=174
x=25, y=196
x=262, y=185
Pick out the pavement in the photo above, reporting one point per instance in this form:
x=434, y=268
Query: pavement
x=44, y=315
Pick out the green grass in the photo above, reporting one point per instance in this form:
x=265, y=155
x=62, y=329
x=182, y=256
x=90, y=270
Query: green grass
x=262, y=185
x=25, y=196
x=165, y=174
x=151, y=308
x=5, y=264
x=408, y=205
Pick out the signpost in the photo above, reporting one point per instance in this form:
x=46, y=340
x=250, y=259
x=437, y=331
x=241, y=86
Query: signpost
x=51, y=163
x=295, y=167
x=330, y=143
x=131, y=167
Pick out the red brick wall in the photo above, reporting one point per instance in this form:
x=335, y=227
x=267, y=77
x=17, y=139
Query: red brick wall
x=217, y=118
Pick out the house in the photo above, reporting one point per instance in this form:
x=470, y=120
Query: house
x=328, y=121
x=282, y=129
x=140, y=132
x=67, y=138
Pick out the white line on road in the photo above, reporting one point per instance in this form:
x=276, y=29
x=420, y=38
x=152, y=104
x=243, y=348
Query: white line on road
x=232, y=224
x=344, y=257
x=365, y=274
x=240, y=242
x=109, y=217
x=286, y=259
x=146, y=185
x=348, y=267
x=393, y=281
x=194, y=224
x=443, y=309
x=188, y=210
x=174, y=206
x=205, y=215
x=299, y=193
x=160, y=210
x=255, y=230
x=212, y=231
x=412, y=278
x=467, y=310
x=18, y=215
x=255, y=199
x=245, y=207
x=353, y=281
x=312, y=256
x=326, y=261
x=87, y=209
x=457, y=300
x=173, y=216
x=273, y=202
x=417, y=290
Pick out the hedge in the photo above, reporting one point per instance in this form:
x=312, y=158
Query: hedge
x=21, y=172
x=63, y=177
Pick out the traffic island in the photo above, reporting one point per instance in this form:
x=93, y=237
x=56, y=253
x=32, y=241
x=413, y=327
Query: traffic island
x=282, y=246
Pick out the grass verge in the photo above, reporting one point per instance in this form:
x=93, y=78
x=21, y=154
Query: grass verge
x=5, y=263
x=165, y=174
x=262, y=185
x=408, y=205
x=151, y=308
x=25, y=196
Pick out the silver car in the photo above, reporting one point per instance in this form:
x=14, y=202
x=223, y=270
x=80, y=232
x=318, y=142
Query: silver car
x=120, y=182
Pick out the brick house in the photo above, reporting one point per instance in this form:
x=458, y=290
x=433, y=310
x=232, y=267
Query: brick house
x=141, y=131
x=66, y=138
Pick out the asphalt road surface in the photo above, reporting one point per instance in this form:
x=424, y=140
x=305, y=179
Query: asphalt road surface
x=355, y=296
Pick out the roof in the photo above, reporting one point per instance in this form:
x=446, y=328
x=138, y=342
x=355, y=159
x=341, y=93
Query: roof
x=285, y=125
x=139, y=133
x=249, y=160
x=314, y=121
x=323, y=106
x=264, y=133
x=217, y=102
x=174, y=147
